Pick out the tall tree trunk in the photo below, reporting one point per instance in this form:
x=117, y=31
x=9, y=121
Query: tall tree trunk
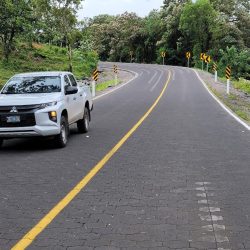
x=7, y=44
x=70, y=56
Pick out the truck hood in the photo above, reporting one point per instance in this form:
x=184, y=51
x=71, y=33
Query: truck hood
x=28, y=99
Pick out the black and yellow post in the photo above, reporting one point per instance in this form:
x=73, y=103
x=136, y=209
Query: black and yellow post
x=215, y=67
x=228, y=72
x=95, y=76
x=115, y=69
x=116, y=72
x=163, y=55
x=228, y=76
x=188, y=55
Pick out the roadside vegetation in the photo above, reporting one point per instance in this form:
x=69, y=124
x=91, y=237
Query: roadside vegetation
x=218, y=28
x=43, y=35
x=46, y=35
x=42, y=57
x=104, y=85
x=238, y=105
x=241, y=84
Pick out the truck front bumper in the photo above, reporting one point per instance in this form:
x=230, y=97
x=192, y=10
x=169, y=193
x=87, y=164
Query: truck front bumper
x=29, y=131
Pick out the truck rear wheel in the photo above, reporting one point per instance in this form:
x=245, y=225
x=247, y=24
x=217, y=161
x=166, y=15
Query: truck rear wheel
x=1, y=142
x=83, y=124
x=62, y=139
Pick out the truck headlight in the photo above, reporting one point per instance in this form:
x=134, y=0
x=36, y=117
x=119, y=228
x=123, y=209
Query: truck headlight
x=53, y=116
x=49, y=104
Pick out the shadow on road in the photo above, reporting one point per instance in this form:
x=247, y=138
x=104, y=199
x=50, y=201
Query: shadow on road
x=33, y=144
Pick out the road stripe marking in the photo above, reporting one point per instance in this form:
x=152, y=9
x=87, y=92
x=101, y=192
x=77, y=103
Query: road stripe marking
x=202, y=183
x=216, y=229
x=228, y=110
x=203, y=195
x=49, y=217
x=153, y=87
x=152, y=78
x=209, y=209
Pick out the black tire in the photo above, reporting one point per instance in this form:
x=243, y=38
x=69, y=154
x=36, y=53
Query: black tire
x=62, y=139
x=1, y=142
x=83, y=124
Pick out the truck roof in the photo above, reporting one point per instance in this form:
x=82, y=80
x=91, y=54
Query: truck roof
x=43, y=73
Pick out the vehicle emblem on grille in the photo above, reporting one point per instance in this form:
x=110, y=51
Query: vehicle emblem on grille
x=14, y=110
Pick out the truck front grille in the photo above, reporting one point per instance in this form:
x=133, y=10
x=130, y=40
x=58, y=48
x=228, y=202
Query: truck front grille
x=19, y=108
x=26, y=120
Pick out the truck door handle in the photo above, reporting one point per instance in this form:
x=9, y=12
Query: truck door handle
x=74, y=98
x=80, y=94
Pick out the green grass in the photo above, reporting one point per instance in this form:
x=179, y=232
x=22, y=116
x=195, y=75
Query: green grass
x=105, y=85
x=42, y=57
x=243, y=115
x=243, y=85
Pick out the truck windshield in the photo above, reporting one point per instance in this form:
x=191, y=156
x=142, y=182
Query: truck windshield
x=34, y=84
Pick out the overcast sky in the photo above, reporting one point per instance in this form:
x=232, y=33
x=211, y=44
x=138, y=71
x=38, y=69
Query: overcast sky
x=113, y=7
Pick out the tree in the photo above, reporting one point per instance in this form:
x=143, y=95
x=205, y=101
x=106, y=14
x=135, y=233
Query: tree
x=172, y=38
x=62, y=15
x=15, y=17
x=197, y=23
x=235, y=14
x=168, y=3
x=238, y=60
x=101, y=31
x=152, y=30
x=130, y=37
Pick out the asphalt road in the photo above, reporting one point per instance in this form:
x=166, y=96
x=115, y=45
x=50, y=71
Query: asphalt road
x=180, y=181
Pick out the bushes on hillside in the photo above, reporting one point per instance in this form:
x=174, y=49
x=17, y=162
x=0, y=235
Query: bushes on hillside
x=238, y=60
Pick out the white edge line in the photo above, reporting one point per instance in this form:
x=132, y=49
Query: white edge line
x=118, y=87
x=222, y=104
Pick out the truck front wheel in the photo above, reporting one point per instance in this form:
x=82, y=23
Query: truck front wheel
x=83, y=124
x=62, y=139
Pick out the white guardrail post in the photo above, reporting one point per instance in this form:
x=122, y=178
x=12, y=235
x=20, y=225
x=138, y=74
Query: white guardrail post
x=93, y=88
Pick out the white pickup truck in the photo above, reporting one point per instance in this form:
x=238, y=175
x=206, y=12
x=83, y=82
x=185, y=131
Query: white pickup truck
x=44, y=104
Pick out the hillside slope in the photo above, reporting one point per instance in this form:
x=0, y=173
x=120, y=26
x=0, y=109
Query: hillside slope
x=43, y=57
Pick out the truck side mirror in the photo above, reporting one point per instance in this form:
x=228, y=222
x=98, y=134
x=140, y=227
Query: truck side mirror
x=70, y=90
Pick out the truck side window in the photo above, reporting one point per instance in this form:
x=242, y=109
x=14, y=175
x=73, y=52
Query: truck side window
x=66, y=81
x=73, y=81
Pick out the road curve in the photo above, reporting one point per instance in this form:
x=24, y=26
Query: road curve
x=180, y=181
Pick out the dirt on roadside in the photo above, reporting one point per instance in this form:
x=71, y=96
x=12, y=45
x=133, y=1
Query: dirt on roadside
x=107, y=74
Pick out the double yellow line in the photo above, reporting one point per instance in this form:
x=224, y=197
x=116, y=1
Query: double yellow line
x=48, y=218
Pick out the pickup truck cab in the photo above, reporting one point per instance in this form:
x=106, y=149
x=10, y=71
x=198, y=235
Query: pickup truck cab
x=44, y=104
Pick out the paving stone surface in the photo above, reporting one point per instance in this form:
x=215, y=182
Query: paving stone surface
x=181, y=181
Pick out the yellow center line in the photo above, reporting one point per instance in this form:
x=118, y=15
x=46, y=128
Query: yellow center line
x=29, y=237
